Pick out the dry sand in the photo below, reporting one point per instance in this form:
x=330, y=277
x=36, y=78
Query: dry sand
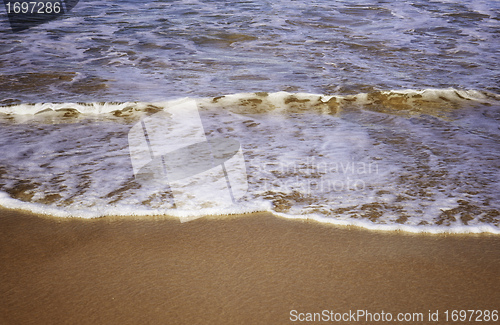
x=251, y=269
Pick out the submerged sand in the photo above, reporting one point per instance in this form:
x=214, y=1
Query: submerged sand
x=249, y=269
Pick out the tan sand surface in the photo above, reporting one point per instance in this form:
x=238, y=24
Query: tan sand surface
x=250, y=269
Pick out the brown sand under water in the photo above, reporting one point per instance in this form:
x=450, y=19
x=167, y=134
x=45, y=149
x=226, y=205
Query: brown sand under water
x=251, y=269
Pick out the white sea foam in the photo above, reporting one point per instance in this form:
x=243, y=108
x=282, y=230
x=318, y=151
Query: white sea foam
x=417, y=161
x=130, y=51
x=281, y=102
x=398, y=227
x=421, y=159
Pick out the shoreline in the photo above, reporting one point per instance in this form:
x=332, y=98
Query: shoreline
x=322, y=221
x=252, y=269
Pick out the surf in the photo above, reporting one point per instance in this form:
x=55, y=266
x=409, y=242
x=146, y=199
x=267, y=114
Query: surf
x=397, y=160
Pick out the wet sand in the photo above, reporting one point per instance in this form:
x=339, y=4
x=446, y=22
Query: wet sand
x=251, y=269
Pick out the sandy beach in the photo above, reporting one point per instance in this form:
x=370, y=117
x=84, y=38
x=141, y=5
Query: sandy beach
x=250, y=269
x=380, y=114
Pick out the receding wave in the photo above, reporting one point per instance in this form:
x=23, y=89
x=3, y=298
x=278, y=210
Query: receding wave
x=412, y=160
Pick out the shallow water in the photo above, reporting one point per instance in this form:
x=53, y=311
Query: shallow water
x=150, y=51
x=377, y=114
x=429, y=162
